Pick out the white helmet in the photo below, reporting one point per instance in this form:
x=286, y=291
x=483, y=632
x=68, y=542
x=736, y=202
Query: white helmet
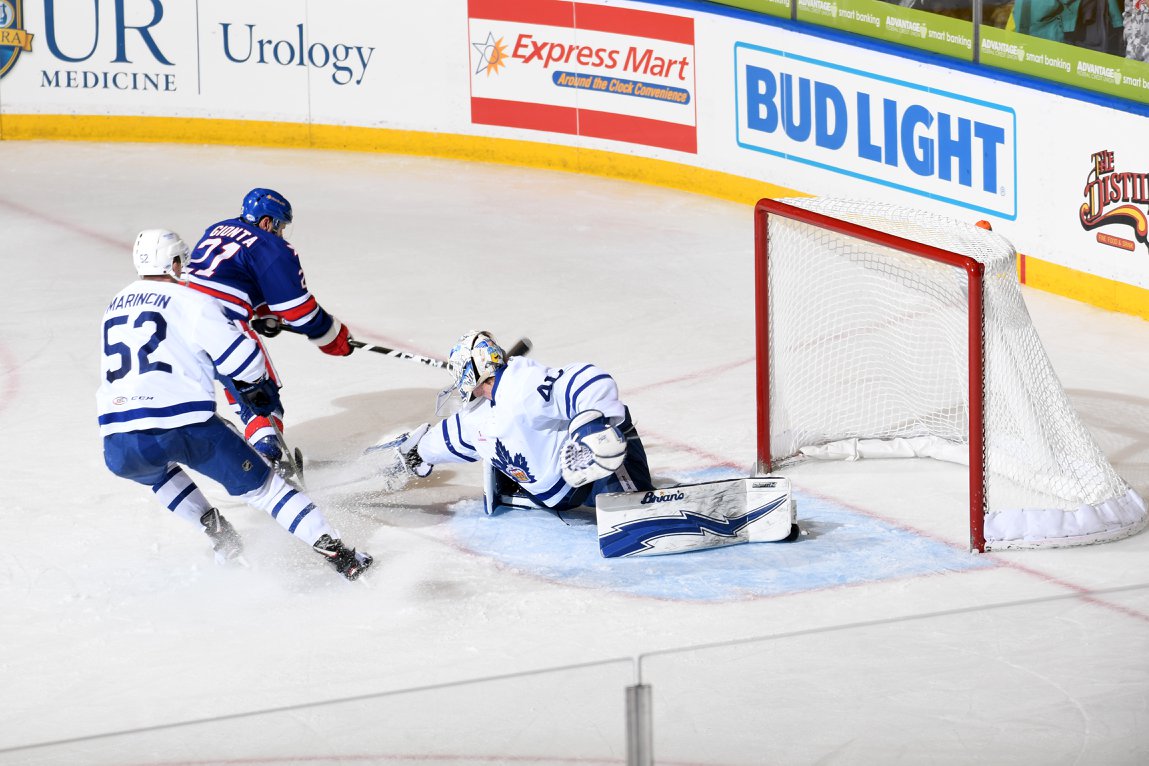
x=474, y=359
x=155, y=251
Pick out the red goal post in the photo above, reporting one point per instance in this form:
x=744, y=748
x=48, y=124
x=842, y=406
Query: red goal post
x=879, y=332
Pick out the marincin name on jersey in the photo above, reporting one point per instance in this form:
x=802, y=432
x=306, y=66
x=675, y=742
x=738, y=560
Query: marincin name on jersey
x=131, y=300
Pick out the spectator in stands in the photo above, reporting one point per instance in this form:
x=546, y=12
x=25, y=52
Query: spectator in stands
x=1094, y=24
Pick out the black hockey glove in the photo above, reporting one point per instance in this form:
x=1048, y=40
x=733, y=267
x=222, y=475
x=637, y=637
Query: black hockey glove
x=268, y=326
x=262, y=397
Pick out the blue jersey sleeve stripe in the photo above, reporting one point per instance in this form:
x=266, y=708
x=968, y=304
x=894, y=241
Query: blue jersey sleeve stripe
x=230, y=350
x=583, y=387
x=559, y=486
x=451, y=447
x=234, y=371
x=459, y=431
x=248, y=362
x=570, y=384
x=156, y=412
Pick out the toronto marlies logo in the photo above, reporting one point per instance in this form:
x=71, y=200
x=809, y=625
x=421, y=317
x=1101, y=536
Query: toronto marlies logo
x=13, y=38
x=516, y=467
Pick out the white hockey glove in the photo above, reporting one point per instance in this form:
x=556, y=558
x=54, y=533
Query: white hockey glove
x=402, y=459
x=594, y=449
x=408, y=449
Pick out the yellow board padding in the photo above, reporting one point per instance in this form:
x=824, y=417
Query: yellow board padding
x=1088, y=288
x=1098, y=291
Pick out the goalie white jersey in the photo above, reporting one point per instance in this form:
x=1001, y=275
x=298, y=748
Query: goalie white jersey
x=520, y=431
x=163, y=344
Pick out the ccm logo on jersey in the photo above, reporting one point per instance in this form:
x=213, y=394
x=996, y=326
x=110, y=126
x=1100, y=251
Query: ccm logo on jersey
x=119, y=400
x=651, y=497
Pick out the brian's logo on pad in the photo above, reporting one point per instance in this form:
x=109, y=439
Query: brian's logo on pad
x=13, y=38
x=658, y=497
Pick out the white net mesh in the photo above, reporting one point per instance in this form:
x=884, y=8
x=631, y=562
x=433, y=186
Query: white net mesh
x=869, y=358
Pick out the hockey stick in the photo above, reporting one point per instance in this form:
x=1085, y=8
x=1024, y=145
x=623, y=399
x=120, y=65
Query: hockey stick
x=521, y=347
x=290, y=465
x=396, y=353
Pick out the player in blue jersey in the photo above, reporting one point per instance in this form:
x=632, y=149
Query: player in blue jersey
x=558, y=435
x=163, y=348
x=248, y=264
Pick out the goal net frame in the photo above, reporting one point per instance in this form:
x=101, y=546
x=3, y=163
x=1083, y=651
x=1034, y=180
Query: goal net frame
x=974, y=271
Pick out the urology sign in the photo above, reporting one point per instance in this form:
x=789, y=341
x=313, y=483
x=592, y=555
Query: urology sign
x=586, y=70
x=898, y=134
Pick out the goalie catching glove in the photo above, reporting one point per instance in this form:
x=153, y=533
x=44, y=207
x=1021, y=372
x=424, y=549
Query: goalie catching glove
x=594, y=449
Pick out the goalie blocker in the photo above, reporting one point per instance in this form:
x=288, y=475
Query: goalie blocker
x=695, y=516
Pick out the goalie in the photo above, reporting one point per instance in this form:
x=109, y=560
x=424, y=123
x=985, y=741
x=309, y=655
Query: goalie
x=559, y=438
x=552, y=437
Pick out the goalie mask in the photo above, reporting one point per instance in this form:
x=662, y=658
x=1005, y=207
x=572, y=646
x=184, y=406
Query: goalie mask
x=155, y=251
x=473, y=359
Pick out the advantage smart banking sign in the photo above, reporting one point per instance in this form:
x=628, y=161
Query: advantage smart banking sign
x=586, y=70
x=897, y=134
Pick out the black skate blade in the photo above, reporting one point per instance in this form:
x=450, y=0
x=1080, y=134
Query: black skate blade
x=298, y=458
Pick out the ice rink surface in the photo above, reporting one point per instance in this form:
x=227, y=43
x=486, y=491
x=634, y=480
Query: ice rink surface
x=876, y=638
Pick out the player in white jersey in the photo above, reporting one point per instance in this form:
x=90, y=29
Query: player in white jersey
x=559, y=433
x=164, y=346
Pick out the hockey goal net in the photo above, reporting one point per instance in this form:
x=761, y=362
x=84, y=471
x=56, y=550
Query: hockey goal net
x=890, y=332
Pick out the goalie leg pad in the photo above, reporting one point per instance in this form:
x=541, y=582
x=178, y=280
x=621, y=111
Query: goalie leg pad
x=695, y=516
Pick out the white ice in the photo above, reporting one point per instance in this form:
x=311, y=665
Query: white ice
x=877, y=638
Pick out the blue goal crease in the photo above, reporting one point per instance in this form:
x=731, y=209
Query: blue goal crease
x=842, y=547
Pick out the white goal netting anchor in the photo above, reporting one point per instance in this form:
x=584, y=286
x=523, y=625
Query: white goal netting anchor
x=891, y=332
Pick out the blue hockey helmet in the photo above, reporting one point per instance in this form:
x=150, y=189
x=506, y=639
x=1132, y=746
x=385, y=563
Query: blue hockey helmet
x=267, y=202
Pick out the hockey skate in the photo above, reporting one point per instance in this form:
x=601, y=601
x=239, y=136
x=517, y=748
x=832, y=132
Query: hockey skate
x=345, y=560
x=225, y=541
